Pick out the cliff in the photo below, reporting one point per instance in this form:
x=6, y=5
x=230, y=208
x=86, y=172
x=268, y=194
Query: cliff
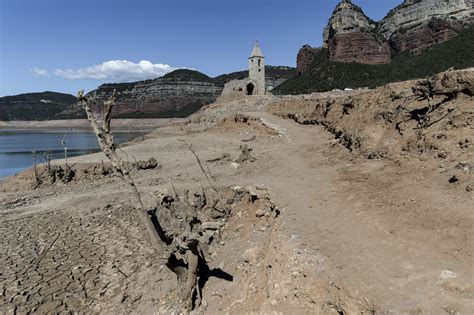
x=415, y=13
x=414, y=26
x=305, y=58
x=326, y=75
x=351, y=36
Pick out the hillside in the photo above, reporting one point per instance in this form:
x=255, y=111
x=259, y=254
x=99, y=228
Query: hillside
x=325, y=75
x=34, y=106
x=177, y=94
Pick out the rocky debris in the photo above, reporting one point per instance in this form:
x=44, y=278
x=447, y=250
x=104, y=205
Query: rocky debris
x=432, y=118
x=225, y=157
x=145, y=165
x=245, y=155
x=215, y=114
x=54, y=174
x=18, y=202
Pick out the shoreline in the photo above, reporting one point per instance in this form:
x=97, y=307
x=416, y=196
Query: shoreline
x=139, y=126
x=128, y=124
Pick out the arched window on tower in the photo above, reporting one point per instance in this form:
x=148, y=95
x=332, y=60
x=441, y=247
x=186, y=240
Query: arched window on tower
x=259, y=60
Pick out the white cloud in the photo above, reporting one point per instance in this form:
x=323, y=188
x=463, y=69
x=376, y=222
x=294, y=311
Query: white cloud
x=117, y=71
x=37, y=72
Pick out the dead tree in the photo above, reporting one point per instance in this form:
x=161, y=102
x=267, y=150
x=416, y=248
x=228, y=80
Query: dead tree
x=108, y=147
x=178, y=228
x=38, y=179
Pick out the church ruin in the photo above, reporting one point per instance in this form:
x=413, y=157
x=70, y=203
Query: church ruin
x=254, y=84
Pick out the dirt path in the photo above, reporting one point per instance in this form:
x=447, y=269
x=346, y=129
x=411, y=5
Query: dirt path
x=398, y=237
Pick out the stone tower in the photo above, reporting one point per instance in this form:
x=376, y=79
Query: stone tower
x=257, y=70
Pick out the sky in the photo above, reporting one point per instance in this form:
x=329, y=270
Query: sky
x=68, y=45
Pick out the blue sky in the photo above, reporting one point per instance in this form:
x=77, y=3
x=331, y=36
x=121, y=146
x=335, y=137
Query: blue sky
x=67, y=45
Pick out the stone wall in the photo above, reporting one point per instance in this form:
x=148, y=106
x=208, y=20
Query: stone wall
x=236, y=89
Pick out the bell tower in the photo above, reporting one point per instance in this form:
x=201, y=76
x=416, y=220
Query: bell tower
x=257, y=70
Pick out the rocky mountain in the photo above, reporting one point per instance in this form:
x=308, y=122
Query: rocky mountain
x=351, y=36
x=414, y=26
x=34, y=106
x=325, y=75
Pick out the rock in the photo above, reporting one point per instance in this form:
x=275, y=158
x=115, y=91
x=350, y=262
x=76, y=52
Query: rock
x=469, y=187
x=295, y=237
x=453, y=179
x=447, y=274
x=260, y=213
x=250, y=255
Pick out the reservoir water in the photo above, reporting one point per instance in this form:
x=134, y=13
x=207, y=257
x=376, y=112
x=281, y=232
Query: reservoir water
x=16, y=146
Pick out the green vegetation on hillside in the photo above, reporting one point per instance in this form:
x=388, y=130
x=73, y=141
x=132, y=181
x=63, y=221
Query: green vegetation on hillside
x=34, y=106
x=325, y=75
x=187, y=75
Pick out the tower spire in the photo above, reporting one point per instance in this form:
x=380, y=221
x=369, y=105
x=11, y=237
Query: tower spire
x=256, y=51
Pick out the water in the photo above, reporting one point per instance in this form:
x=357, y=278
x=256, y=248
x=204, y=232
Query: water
x=16, y=146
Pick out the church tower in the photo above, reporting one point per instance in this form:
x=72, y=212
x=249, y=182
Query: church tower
x=257, y=70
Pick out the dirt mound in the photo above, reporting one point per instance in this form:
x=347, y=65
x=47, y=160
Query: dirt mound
x=393, y=120
x=54, y=174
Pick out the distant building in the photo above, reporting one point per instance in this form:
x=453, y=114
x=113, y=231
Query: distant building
x=254, y=84
x=257, y=70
